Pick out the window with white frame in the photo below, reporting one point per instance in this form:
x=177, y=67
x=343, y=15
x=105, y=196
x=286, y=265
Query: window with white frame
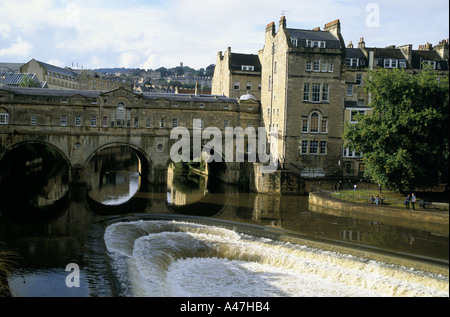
x=313, y=147
x=390, y=63
x=306, y=92
x=359, y=79
x=237, y=85
x=148, y=123
x=63, y=120
x=315, y=93
x=349, y=90
x=324, y=126
x=352, y=62
x=330, y=67
x=431, y=64
x=323, y=147
x=324, y=67
x=249, y=85
x=105, y=121
x=313, y=43
x=78, y=121
x=161, y=123
x=314, y=123
x=294, y=41
x=225, y=124
x=305, y=125
x=93, y=121
x=304, y=149
x=33, y=119
x=325, y=92
x=174, y=122
x=316, y=65
x=308, y=66
x=247, y=67
x=354, y=114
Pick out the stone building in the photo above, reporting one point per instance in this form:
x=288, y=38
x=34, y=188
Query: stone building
x=65, y=78
x=302, y=96
x=237, y=74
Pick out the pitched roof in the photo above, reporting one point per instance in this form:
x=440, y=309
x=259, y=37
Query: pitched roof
x=303, y=35
x=418, y=56
x=14, y=79
x=59, y=70
x=239, y=59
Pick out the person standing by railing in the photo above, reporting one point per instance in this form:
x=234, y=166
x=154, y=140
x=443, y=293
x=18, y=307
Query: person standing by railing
x=407, y=201
x=413, y=201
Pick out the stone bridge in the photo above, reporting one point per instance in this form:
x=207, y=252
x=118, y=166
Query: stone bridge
x=79, y=124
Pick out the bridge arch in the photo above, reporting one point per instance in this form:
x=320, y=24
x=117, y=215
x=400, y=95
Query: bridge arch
x=11, y=148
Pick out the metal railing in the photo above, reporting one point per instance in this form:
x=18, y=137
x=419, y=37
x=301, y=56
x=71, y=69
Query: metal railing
x=370, y=200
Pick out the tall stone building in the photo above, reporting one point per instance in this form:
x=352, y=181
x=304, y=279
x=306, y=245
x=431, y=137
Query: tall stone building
x=237, y=74
x=302, y=96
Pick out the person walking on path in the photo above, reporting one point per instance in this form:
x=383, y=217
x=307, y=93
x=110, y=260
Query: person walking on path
x=407, y=201
x=413, y=201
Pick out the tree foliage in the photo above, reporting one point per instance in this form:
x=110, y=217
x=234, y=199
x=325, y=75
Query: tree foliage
x=405, y=141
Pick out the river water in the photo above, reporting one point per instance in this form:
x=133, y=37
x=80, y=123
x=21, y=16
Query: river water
x=197, y=237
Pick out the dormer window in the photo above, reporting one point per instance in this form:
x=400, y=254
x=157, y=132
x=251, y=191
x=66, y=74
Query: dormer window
x=294, y=42
x=311, y=43
x=248, y=68
x=352, y=62
x=431, y=64
x=390, y=63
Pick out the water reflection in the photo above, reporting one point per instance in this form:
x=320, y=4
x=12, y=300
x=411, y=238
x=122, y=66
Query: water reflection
x=34, y=182
x=113, y=176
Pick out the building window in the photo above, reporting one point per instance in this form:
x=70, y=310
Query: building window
x=325, y=92
x=270, y=83
x=248, y=67
x=354, y=114
x=78, y=121
x=323, y=147
x=161, y=123
x=105, y=121
x=237, y=85
x=136, y=122
x=93, y=121
x=431, y=64
x=268, y=111
x=225, y=124
x=316, y=66
x=349, y=90
x=63, y=120
x=352, y=62
x=314, y=123
x=174, y=122
x=306, y=92
x=330, y=67
x=324, y=67
x=390, y=63
x=249, y=85
x=315, y=93
x=359, y=79
x=313, y=147
x=33, y=119
x=148, y=122
x=310, y=43
x=304, y=147
x=304, y=125
x=308, y=66
x=324, y=126
x=294, y=42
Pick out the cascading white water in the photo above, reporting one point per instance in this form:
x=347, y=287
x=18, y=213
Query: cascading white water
x=173, y=258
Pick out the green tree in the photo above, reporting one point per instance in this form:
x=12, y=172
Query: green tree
x=405, y=141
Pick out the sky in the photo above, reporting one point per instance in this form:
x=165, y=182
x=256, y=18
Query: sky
x=149, y=34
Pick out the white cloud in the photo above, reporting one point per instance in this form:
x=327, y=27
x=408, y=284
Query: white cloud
x=19, y=48
x=151, y=34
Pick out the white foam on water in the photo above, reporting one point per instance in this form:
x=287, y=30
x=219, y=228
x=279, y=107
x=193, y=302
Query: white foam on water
x=169, y=258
